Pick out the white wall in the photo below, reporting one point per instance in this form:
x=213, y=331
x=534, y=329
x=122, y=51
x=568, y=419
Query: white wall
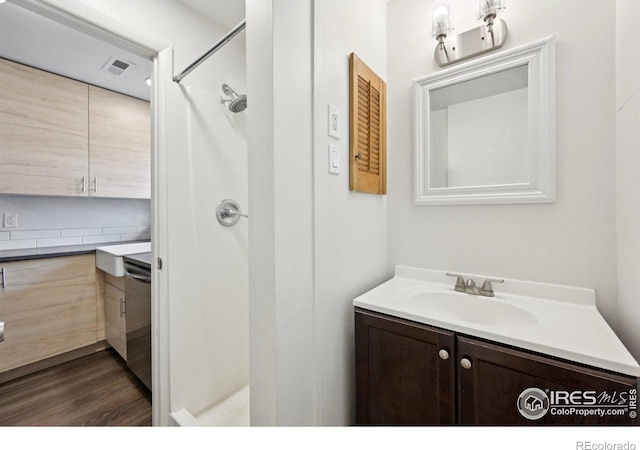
x=350, y=227
x=318, y=245
x=627, y=169
x=283, y=371
x=202, y=160
x=571, y=242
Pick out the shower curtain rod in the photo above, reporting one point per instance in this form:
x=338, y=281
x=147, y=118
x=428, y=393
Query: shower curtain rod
x=221, y=43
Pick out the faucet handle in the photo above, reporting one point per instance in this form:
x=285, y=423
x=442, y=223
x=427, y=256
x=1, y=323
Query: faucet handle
x=487, y=289
x=460, y=284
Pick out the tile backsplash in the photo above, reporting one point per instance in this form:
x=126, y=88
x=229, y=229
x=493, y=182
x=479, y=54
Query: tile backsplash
x=13, y=240
x=57, y=221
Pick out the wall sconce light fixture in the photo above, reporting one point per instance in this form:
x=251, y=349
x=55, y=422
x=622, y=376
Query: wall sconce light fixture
x=487, y=37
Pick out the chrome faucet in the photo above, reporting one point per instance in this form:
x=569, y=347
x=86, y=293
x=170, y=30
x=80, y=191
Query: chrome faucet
x=469, y=287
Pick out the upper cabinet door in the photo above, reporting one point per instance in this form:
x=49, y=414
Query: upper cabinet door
x=119, y=145
x=43, y=132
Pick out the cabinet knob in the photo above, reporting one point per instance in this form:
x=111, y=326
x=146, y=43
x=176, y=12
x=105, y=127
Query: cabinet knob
x=465, y=363
x=444, y=354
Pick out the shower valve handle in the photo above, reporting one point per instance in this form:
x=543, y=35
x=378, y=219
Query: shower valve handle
x=229, y=212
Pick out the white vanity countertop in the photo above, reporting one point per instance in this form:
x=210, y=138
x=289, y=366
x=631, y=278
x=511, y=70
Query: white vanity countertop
x=556, y=320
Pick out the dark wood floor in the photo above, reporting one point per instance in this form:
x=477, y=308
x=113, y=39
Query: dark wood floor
x=96, y=390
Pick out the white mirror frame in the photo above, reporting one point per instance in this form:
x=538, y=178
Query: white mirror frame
x=539, y=56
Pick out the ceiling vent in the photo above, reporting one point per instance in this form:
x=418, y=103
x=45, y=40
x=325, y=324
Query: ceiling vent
x=116, y=66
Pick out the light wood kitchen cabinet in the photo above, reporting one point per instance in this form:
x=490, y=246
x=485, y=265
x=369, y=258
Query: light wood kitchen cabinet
x=409, y=373
x=62, y=137
x=119, y=145
x=43, y=132
x=115, y=319
x=48, y=306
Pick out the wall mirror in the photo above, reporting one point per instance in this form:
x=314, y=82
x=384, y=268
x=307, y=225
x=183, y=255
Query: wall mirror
x=485, y=130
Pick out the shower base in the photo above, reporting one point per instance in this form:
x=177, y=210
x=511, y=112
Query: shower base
x=231, y=412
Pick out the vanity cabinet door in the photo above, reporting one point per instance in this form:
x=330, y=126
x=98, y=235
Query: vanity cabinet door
x=401, y=377
x=493, y=378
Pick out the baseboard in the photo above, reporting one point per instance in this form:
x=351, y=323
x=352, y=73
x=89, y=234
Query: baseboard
x=53, y=361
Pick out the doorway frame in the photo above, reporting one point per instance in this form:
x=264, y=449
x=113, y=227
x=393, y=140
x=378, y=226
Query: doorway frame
x=80, y=17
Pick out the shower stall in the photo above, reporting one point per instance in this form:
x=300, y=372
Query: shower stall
x=208, y=296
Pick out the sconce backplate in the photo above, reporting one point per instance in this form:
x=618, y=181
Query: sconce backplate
x=471, y=43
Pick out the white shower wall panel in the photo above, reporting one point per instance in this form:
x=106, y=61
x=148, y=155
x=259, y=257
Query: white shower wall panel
x=208, y=263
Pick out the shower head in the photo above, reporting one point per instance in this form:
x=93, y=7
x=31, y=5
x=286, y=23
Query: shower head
x=237, y=103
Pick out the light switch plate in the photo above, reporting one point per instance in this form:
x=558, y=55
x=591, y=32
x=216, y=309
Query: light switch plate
x=334, y=159
x=334, y=122
x=10, y=220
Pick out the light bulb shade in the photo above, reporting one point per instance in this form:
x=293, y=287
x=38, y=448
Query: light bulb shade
x=440, y=21
x=488, y=8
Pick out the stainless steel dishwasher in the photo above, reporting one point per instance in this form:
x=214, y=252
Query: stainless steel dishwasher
x=137, y=287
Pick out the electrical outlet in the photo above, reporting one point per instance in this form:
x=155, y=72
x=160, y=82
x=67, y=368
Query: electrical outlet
x=334, y=122
x=10, y=220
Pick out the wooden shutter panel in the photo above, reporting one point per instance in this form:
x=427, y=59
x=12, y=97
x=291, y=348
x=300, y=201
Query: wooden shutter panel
x=367, y=128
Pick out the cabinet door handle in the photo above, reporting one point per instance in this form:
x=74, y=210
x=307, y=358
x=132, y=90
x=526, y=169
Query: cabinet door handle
x=465, y=363
x=4, y=277
x=443, y=354
x=1, y=331
x=95, y=184
x=84, y=184
x=122, y=307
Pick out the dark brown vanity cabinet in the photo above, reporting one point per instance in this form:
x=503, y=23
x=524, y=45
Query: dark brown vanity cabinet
x=488, y=392
x=408, y=373
x=400, y=377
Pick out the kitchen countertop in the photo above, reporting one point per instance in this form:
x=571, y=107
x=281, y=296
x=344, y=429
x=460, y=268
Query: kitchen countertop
x=53, y=252
x=560, y=321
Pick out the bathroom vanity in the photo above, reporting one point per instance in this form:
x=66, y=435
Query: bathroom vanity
x=535, y=354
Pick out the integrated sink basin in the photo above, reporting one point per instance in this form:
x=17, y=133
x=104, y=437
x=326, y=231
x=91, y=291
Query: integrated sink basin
x=474, y=309
x=110, y=258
